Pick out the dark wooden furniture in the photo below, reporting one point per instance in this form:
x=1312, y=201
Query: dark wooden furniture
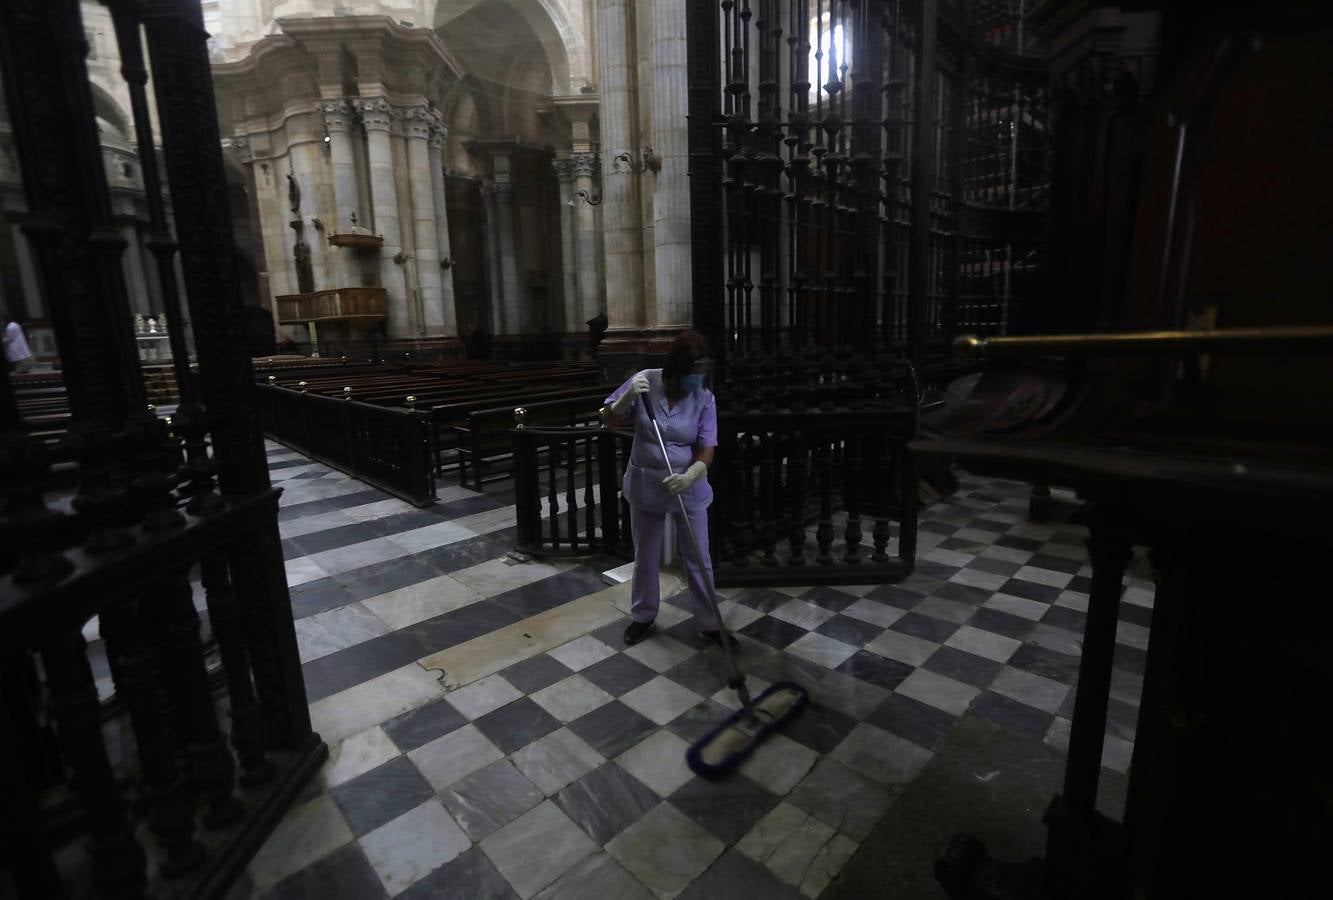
x=220, y=735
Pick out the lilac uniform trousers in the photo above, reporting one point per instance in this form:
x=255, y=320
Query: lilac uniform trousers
x=689, y=425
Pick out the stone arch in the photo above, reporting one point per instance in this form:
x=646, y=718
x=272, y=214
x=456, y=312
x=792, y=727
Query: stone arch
x=106, y=109
x=565, y=47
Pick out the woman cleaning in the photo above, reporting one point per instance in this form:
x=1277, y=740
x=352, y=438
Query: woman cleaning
x=687, y=416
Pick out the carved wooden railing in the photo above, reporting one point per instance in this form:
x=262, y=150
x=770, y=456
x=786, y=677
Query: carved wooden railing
x=387, y=447
x=338, y=304
x=208, y=744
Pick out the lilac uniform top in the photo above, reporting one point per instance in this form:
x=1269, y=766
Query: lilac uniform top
x=691, y=423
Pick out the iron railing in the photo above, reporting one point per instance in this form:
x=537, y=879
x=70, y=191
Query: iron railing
x=811, y=497
x=383, y=446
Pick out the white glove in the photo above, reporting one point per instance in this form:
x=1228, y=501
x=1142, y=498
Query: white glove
x=638, y=385
x=677, y=483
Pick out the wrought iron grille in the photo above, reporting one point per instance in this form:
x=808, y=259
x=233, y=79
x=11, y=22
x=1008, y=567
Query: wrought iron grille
x=816, y=125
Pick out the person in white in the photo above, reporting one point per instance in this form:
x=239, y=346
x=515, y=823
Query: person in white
x=17, y=352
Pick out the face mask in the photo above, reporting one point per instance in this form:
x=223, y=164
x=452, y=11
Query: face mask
x=691, y=383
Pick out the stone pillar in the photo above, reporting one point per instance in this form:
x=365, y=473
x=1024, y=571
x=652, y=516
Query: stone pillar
x=307, y=167
x=419, y=123
x=338, y=120
x=495, y=313
x=569, y=283
x=448, y=311
x=504, y=228
x=671, y=200
x=136, y=281
x=378, y=116
x=589, y=257
x=622, y=228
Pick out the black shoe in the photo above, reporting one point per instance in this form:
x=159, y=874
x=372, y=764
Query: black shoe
x=716, y=638
x=637, y=631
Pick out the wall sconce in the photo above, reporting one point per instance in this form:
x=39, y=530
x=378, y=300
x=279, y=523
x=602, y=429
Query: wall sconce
x=400, y=257
x=447, y=263
x=650, y=161
x=591, y=201
x=319, y=225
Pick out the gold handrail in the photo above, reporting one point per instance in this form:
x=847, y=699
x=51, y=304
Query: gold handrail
x=1278, y=339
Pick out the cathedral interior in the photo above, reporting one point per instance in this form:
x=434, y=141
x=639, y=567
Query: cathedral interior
x=317, y=562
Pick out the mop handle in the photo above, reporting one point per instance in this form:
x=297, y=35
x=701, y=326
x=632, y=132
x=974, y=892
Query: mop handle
x=736, y=675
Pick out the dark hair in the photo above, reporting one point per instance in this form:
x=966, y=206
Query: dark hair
x=688, y=348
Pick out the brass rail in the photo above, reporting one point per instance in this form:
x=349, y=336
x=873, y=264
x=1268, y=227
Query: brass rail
x=1304, y=339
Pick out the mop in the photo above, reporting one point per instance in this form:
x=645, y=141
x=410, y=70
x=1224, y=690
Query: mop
x=731, y=742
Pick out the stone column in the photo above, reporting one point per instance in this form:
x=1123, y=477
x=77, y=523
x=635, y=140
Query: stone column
x=569, y=283
x=136, y=281
x=418, y=124
x=504, y=228
x=622, y=228
x=671, y=200
x=496, y=310
x=448, y=311
x=590, y=284
x=338, y=119
x=378, y=116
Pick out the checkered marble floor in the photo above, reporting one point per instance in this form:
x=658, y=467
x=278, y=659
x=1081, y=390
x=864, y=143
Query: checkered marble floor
x=491, y=737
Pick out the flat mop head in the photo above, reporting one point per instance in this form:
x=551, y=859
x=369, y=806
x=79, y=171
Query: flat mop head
x=731, y=743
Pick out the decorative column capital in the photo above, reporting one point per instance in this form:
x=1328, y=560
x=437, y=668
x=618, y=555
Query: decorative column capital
x=585, y=164
x=338, y=115
x=439, y=132
x=419, y=122
x=376, y=113
x=564, y=169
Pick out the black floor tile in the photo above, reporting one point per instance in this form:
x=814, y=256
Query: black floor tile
x=1055, y=563
x=981, y=523
x=1040, y=661
x=332, y=538
x=762, y=599
x=925, y=627
x=994, y=566
x=1030, y=590
x=548, y=593
x=737, y=877
x=703, y=673
x=517, y=724
x=612, y=729
x=849, y=630
x=935, y=570
x=1011, y=715
x=701, y=719
x=819, y=727
x=1064, y=617
x=962, y=666
x=993, y=620
x=1080, y=583
x=774, y=632
x=1137, y=615
x=829, y=598
x=727, y=808
x=1131, y=659
x=381, y=795
x=536, y=673
x=452, y=628
x=380, y=578
x=470, y=876
x=964, y=593
x=876, y=669
x=919, y=723
x=462, y=554
x=618, y=674
x=1018, y=543
x=897, y=596
x=344, y=873
x=424, y=724
x=361, y=662
x=467, y=506
x=1122, y=719
x=319, y=596
x=606, y=801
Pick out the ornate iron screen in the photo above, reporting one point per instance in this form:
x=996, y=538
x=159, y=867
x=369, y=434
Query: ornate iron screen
x=867, y=179
x=815, y=127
